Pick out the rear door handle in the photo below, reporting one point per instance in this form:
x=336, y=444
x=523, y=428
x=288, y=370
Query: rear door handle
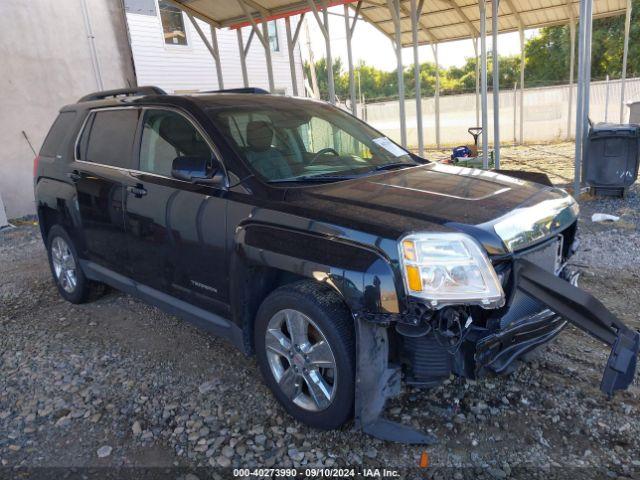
x=74, y=176
x=138, y=191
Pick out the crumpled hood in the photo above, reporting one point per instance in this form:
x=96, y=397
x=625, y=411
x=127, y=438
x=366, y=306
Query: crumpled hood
x=430, y=197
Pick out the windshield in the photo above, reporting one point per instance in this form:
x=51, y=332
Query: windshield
x=307, y=142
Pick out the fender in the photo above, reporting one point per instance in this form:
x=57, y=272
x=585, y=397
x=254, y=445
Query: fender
x=363, y=276
x=59, y=198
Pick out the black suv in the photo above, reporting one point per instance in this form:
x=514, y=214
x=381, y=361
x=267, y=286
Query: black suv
x=302, y=235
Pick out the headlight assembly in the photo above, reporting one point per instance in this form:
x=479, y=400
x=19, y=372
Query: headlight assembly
x=449, y=268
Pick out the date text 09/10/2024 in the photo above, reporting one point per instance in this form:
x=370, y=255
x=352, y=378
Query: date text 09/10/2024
x=316, y=472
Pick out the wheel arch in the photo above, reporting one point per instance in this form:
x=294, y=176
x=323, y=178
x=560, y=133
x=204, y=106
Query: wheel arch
x=266, y=257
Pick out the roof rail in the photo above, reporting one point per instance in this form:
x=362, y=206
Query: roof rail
x=255, y=90
x=122, y=92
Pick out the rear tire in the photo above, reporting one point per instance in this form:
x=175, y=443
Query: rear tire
x=312, y=371
x=64, y=262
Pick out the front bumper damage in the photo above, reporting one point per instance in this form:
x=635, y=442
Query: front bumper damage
x=377, y=379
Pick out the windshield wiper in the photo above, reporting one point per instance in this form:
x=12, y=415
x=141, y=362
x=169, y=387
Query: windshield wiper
x=314, y=178
x=394, y=165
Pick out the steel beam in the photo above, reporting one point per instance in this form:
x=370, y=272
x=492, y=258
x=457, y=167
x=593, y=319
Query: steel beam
x=482, y=4
x=394, y=9
x=496, y=83
x=623, y=76
x=416, y=8
x=324, y=28
x=522, y=67
x=263, y=37
x=349, y=29
x=243, y=58
x=572, y=62
x=436, y=98
x=211, y=46
x=475, y=49
x=291, y=45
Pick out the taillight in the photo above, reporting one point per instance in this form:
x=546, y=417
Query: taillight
x=36, y=161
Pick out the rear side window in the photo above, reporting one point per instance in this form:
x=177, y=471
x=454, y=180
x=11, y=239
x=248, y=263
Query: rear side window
x=108, y=136
x=58, y=132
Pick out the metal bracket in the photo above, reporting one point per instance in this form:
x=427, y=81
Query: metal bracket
x=376, y=381
x=590, y=315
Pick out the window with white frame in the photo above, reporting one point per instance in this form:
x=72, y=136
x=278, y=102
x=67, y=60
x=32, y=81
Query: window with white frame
x=272, y=28
x=172, y=24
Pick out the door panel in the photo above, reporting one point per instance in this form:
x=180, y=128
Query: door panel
x=103, y=153
x=175, y=229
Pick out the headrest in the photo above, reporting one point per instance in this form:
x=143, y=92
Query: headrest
x=259, y=135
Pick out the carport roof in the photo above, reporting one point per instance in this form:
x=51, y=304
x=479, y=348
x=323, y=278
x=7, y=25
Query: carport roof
x=440, y=21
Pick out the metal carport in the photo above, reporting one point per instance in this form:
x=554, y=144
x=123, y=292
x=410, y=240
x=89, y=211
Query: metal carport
x=410, y=23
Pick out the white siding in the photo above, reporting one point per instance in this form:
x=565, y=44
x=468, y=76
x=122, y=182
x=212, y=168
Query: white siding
x=191, y=67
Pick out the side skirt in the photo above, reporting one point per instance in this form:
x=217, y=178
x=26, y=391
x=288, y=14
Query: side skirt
x=212, y=323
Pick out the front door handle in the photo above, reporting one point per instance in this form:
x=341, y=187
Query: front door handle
x=74, y=176
x=138, y=191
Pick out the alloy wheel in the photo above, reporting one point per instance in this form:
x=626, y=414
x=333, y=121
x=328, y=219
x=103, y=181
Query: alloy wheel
x=301, y=360
x=64, y=264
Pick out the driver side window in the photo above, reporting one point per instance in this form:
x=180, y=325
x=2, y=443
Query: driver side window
x=165, y=136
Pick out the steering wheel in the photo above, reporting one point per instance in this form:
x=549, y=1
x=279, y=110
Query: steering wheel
x=324, y=151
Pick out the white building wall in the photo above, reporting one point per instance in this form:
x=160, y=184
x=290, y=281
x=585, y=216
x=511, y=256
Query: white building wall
x=46, y=63
x=182, y=68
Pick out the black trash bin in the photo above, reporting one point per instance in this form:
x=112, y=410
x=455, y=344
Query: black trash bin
x=611, y=160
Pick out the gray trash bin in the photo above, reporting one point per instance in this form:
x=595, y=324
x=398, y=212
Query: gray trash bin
x=611, y=160
x=634, y=112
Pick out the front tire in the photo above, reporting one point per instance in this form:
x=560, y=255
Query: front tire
x=305, y=348
x=72, y=284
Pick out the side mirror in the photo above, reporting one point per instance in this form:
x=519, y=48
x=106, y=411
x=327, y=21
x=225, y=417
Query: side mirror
x=197, y=169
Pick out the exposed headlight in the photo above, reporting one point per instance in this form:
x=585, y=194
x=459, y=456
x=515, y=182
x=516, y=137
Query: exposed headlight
x=449, y=268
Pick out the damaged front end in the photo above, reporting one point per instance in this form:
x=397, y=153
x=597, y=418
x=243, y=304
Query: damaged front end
x=432, y=340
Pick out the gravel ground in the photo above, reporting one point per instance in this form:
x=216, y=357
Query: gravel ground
x=116, y=383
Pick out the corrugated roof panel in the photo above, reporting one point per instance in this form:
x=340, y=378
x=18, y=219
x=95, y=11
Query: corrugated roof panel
x=443, y=18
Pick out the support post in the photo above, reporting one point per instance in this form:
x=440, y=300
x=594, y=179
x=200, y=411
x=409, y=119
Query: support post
x=625, y=51
x=324, y=28
x=416, y=8
x=582, y=97
x=216, y=51
x=515, y=102
x=263, y=37
x=291, y=45
x=211, y=46
x=572, y=60
x=394, y=8
x=606, y=99
x=482, y=4
x=475, y=48
x=349, y=28
x=522, y=67
x=437, y=93
x=496, y=83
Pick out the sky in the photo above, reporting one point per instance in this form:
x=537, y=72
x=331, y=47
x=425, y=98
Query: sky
x=371, y=46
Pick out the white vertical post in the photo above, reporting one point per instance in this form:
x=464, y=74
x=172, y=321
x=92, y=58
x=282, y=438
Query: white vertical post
x=496, y=83
x=394, y=8
x=437, y=94
x=349, y=28
x=475, y=48
x=415, y=15
x=572, y=60
x=582, y=97
x=522, y=67
x=92, y=44
x=625, y=51
x=216, y=51
x=483, y=53
x=606, y=99
x=290, y=50
x=515, y=103
x=331, y=84
x=267, y=54
x=243, y=58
